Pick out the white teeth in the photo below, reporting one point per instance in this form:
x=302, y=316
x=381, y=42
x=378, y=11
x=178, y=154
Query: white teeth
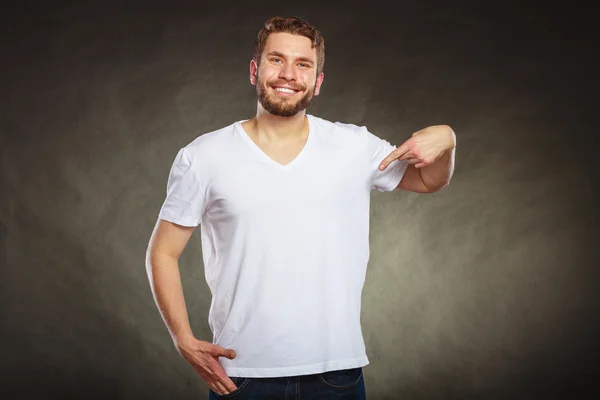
x=284, y=90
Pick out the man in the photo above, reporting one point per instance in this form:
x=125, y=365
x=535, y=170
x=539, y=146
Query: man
x=283, y=204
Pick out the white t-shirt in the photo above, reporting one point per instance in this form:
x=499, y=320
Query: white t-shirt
x=285, y=248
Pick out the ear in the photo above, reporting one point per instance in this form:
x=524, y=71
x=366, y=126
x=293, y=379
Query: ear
x=253, y=72
x=319, y=83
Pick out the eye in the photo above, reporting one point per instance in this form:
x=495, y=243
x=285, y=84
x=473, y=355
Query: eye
x=304, y=65
x=274, y=59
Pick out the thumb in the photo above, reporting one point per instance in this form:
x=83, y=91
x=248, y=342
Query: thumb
x=221, y=352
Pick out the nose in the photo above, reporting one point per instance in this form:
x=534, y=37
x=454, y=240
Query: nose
x=288, y=72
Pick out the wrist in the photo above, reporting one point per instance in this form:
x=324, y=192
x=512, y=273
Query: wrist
x=181, y=338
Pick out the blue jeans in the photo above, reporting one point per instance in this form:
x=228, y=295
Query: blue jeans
x=348, y=384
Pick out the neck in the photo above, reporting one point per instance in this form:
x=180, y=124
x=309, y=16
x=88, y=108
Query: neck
x=275, y=129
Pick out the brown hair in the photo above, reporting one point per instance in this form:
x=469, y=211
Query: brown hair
x=295, y=26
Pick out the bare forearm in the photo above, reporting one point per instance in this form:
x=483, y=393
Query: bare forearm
x=165, y=282
x=438, y=174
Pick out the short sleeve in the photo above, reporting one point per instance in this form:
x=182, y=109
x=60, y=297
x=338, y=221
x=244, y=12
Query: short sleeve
x=185, y=202
x=388, y=180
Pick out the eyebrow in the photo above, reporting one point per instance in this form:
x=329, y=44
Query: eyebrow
x=278, y=54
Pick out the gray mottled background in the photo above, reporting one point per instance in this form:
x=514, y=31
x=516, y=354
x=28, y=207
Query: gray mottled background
x=485, y=290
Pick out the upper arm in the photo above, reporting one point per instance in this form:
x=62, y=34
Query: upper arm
x=377, y=149
x=412, y=181
x=185, y=202
x=169, y=239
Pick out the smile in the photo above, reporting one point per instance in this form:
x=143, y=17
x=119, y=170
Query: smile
x=286, y=91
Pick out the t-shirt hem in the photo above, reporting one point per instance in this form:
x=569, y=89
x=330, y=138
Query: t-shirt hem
x=396, y=177
x=184, y=221
x=297, y=370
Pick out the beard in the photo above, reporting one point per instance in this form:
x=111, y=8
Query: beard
x=281, y=106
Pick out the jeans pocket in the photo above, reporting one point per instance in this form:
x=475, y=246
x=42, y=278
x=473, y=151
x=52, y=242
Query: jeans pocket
x=241, y=383
x=341, y=379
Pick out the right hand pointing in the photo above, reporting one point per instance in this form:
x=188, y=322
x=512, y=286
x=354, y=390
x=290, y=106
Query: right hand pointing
x=204, y=358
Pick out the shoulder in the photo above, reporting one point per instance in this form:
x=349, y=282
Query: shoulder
x=204, y=150
x=337, y=125
x=340, y=131
x=210, y=142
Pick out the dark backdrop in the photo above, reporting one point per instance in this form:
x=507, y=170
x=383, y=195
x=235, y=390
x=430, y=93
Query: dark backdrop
x=485, y=290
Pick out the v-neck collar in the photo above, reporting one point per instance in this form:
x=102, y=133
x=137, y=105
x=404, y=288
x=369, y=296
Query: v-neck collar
x=246, y=138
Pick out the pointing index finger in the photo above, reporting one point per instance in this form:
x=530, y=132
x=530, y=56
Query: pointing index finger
x=394, y=155
x=402, y=150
